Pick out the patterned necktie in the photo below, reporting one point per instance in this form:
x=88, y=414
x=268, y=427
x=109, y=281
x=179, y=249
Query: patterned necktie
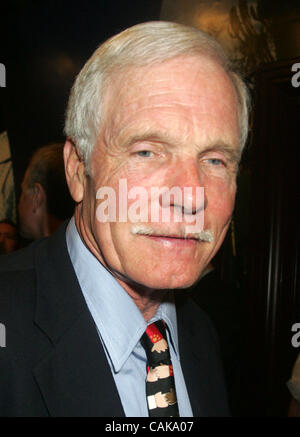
x=160, y=384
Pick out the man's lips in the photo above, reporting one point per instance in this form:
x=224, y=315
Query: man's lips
x=173, y=241
x=172, y=237
x=180, y=235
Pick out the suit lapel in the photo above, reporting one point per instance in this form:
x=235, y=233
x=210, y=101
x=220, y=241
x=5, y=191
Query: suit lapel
x=74, y=378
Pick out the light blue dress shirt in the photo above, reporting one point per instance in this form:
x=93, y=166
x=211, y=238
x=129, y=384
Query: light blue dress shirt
x=120, y=326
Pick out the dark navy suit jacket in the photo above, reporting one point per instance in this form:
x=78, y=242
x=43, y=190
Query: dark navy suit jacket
x=54, y=364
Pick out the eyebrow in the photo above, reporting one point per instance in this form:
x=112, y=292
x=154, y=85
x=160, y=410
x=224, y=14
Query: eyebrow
x=233, y=154
x=163, y=137
x=149, y=136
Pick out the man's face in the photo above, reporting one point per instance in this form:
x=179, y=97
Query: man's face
x=8, y=238
x=169, y=125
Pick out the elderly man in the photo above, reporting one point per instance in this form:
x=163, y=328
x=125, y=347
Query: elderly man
x=97, y=320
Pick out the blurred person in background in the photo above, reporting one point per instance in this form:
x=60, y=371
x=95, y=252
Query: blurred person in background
x=9, y=238
x=45, y=201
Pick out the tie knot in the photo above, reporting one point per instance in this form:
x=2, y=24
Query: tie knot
x=154, y=341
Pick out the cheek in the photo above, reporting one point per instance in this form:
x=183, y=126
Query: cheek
x=126, y=194
x=220, y=199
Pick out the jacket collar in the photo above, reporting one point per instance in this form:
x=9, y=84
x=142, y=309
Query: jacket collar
x=59, y=298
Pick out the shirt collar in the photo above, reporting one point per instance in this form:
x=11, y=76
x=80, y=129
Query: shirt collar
x=118, y=320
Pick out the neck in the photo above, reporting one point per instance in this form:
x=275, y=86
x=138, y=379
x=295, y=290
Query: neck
x=147, y=300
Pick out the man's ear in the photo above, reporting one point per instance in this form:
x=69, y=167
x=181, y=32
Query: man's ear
x=75, y=171
x=38, y=197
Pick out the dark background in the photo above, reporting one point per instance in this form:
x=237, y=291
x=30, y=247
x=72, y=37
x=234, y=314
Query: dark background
x=44, y=44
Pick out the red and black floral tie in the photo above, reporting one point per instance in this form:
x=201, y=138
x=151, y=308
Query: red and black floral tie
x=160, y=384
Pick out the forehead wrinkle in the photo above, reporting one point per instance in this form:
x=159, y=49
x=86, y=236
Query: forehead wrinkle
x=193, y=111
x=131, y=85
x=124, y=97
x=148, y=129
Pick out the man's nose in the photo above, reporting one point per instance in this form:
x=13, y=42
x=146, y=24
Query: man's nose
x=186, y=185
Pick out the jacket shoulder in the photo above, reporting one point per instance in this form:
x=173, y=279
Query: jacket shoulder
x=22, y=259
x=17, y=287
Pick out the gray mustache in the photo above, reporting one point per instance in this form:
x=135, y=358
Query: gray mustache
x=206, y=235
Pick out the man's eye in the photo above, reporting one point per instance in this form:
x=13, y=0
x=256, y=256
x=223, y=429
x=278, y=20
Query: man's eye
x=145, y=153
x=215, y=161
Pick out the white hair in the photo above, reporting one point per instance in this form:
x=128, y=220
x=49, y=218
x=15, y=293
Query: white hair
x=140, y=45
